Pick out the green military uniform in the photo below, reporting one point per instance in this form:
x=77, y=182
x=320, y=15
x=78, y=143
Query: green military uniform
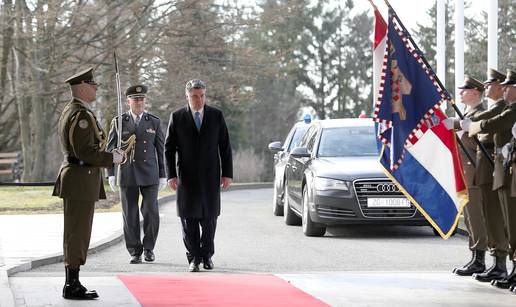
x=501, y=126
x=492, y=208
x=79, y=181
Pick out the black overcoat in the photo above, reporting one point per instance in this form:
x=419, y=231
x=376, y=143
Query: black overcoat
x=203, y=157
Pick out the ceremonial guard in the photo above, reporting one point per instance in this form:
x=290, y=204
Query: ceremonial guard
x=79, y=182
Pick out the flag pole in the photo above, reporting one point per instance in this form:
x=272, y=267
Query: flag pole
x=407, y=34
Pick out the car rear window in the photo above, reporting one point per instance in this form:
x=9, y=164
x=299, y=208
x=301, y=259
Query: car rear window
x=298, y=134
x=347, y=142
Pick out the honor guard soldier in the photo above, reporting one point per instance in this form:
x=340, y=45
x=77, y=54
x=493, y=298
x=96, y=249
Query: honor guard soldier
x=471, y=94
x=79, y=182
x=143, y=173
x=501, y=125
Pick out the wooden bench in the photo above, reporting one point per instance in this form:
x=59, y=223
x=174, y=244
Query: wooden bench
x=10, y=165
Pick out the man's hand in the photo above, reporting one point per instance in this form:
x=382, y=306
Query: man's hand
x=172, y=183
x=112, y=183
x=118, y=156
x=465, y=123
x=162, y=184
x=225, y=182
x=448, y=123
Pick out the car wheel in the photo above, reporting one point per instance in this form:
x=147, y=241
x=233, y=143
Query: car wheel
x=277, y=205
x=289, y=216
x=436, y=233
x=310, y=228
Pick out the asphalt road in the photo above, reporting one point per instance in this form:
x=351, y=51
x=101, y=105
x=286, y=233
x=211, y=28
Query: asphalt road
x=250, y=239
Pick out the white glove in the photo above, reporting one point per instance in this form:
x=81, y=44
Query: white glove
x=514, y=131
x=505, y=151
x=464, y=124
x=118, y=156
x=448, y=123
x=162, y=184
x=112, y=184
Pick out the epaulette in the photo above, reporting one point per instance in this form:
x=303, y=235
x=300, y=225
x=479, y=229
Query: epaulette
x=152, y=115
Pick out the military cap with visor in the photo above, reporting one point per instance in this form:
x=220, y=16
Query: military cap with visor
x=472, y=83
x=510, y=79
x=136, y=91
x=194, y=83
x=494, y=75
x=84, y=76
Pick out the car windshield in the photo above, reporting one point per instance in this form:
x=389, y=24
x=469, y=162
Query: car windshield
x=298, y=134
x=347, y=142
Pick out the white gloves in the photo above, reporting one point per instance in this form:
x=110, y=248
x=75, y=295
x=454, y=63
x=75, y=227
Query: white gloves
x=448, y=123
x=162, y=184
x=505, y=151
x=514, y=131
x=118, y=156
x=112, y=183
x=465, y=123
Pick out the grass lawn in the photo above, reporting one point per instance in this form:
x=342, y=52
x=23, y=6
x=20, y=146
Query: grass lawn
x=39, y=200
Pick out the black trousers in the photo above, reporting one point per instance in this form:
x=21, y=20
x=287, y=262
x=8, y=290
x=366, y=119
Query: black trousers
x=199, y=246
x=150, y=213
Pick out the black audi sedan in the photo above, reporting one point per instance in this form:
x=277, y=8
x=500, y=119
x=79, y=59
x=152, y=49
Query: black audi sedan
x=334, y=178
x=281, y=155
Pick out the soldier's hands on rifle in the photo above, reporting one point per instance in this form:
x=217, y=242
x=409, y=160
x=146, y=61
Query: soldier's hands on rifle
x=465, y=123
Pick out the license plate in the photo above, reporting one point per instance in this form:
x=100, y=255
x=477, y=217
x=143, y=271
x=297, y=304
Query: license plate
x=388, y=203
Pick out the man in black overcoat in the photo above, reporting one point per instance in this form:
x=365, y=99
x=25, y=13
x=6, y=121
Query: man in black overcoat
x=198, y=134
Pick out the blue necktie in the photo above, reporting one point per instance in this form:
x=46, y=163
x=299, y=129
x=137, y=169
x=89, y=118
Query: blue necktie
x=137, y=121
x=197, y=118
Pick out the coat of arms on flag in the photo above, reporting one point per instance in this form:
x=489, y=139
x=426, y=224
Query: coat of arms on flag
x=417, y=152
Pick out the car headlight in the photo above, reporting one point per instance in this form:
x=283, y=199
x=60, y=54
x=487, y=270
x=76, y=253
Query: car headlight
x=325, y=184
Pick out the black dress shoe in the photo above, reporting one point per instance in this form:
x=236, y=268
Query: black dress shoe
x=76, y=291
x=207, y=264
x=497, y=271
x=136, y=259
x=194, y=267
x=149, y=255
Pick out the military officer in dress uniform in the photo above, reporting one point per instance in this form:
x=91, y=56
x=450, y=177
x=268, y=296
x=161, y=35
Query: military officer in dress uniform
x=496, y=236
x=79, y=182
x=143, y=173
x=471, y=94
x=501, y=126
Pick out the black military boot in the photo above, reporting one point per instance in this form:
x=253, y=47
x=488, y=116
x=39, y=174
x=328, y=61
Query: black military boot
x=475, y=265
x=73, y=290
x=507, y=282
x=496, y=272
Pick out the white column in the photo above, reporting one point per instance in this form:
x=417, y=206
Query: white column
x=459, y=49
x=441, y=44
x=492, y=37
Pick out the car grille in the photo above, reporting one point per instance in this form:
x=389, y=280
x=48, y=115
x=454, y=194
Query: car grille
x=334, y=213
x=373, y=188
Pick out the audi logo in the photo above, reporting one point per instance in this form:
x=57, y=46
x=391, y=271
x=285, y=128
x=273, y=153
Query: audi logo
x=387, y=187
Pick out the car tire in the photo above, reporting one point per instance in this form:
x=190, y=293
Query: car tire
x=310, y=228
x=436, y=233
x=289, y=216
x=277, y=206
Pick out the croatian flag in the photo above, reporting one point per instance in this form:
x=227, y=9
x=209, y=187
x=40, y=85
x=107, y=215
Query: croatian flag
x=418, y=153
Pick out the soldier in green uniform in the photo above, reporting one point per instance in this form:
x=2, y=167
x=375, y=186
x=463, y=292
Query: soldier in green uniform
x=79, y=182
x=501, y=126
x=471, y=94
x=496, y=236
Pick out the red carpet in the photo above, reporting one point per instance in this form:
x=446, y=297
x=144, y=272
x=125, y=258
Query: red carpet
x=216, y=290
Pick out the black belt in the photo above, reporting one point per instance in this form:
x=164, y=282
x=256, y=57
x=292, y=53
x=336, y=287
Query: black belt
x=74, y=160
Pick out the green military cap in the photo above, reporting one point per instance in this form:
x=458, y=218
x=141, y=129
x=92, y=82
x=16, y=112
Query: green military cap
x=472, y=83
x=510, y=79
x=136, y=91
x=194, y=83
x=82, y=76
x=494, y=75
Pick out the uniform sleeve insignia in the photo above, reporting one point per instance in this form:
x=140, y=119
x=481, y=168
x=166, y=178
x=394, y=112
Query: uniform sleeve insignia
x=83, y=124
x=150, y=130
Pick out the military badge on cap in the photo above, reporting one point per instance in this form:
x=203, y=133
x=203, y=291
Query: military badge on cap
x=83, y=124
x=136, y=91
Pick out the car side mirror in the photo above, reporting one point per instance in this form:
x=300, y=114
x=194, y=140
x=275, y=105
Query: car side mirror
x=300, y=152
x=275, y=146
